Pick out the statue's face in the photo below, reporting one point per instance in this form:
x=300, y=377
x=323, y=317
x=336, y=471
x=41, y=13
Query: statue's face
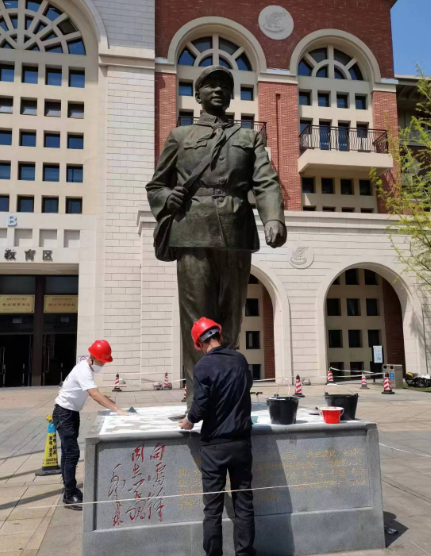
x=215, y=93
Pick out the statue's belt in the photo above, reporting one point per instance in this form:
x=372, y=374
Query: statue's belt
x=218, y=189
x=211, y=192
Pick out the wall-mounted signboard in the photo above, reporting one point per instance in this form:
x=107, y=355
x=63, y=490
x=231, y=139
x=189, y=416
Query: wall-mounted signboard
x=378, y=354
x=60, y=304
x=14, y=304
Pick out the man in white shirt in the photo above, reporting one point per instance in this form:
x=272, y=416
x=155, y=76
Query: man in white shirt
x=79, y=384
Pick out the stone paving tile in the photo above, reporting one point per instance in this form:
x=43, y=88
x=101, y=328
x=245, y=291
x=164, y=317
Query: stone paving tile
x=20, y=553
x=404, y=548
x=406, y=505
x=64, y=517
x=11, y=543
x=6, y=507
x=41, y=490
x=27, y=508
x=36, y=540
x=69, y=539
x=11, y=492
x=18, y=527
x=394, y=468
x=417, y=464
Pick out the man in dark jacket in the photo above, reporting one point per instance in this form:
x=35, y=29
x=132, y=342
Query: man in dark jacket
x=222, y=401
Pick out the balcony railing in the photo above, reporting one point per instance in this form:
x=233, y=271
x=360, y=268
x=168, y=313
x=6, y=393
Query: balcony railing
x=260, y=127
x=344, y=139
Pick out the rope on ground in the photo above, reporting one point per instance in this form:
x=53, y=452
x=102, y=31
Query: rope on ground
x=405, y=451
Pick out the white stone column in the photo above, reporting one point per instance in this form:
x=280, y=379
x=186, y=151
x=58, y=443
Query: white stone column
x=161, y=344
x=129, y=166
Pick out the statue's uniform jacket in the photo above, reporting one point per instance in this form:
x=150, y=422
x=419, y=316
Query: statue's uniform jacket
x=215, y=234
x=219, y=215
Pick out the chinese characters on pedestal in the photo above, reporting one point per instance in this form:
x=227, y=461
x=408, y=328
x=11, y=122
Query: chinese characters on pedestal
x=138, y=486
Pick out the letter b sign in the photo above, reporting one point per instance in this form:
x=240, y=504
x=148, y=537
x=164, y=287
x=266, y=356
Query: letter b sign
x=12, y=220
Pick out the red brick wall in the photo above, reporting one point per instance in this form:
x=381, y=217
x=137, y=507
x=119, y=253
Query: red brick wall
x=278, y=106
x=268, y=335
x=369, y=20
x=166, y=108
x=394, y=326
x=385, y=115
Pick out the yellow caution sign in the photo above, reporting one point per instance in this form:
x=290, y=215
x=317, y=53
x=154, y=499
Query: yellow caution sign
x=50, y=457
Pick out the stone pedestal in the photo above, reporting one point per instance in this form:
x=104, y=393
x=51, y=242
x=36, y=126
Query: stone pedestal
x=324, y=484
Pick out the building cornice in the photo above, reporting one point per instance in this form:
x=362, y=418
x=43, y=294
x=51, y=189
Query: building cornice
x=273, y=75
x=128, y=58
x=164, y=66
x=338, y=220
x=298, y=219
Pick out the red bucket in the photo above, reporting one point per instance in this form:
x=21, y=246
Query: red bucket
x=331, y=415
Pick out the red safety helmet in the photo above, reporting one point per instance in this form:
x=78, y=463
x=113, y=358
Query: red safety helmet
x=101, y=350
x=200, y=327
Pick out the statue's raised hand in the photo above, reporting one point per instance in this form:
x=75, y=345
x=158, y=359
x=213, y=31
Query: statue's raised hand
x=275, y=233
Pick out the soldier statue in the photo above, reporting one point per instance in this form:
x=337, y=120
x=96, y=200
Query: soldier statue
x=199, y=197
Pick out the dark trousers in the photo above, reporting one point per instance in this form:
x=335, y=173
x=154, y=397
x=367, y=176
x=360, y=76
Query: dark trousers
x=211, y=284
x=67, y=424
x=217, y=460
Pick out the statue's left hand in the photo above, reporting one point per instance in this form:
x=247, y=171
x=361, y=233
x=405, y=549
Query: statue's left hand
x=275, y=233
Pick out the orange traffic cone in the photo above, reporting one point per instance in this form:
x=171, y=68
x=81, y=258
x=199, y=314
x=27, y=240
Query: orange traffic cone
x=185, y=392
x=298, y=388
x=117, y=384
x=330, y=376
x=364, y=383
x=387, y=389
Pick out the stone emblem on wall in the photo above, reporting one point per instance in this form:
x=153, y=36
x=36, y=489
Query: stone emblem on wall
x=301, y=256
x=276, y=22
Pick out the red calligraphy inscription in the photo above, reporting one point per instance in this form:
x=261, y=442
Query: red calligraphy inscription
x=117, y=516
x=147, y=503
x=158, y=452
x=115, y=481
x=138, y=453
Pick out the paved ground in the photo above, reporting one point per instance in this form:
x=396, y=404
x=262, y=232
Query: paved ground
x=404, y=423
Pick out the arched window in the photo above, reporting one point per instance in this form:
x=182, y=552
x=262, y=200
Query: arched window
x=36, y=26
x=330, y=62
x=216, y=49
x=335, y=113
x=49, y=108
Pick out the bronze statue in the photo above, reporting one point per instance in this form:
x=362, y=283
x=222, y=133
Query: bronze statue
x=199, y=196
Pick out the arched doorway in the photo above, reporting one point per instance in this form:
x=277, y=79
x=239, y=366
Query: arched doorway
x=257, y=332
x=362, y=310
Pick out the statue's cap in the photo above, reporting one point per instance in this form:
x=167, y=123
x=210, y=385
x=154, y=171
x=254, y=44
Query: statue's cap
x=208, y=71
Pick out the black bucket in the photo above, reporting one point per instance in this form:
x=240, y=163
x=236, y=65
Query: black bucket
x=349, y=402
x=283, y=410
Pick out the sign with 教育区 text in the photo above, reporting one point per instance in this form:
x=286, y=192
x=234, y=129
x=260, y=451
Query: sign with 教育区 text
x=12, y=304
x=60, y=304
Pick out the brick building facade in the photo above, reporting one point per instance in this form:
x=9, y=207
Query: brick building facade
x=323, y=93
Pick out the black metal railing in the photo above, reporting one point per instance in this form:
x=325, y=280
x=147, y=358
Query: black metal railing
x=345, y=139
x=260, y=127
